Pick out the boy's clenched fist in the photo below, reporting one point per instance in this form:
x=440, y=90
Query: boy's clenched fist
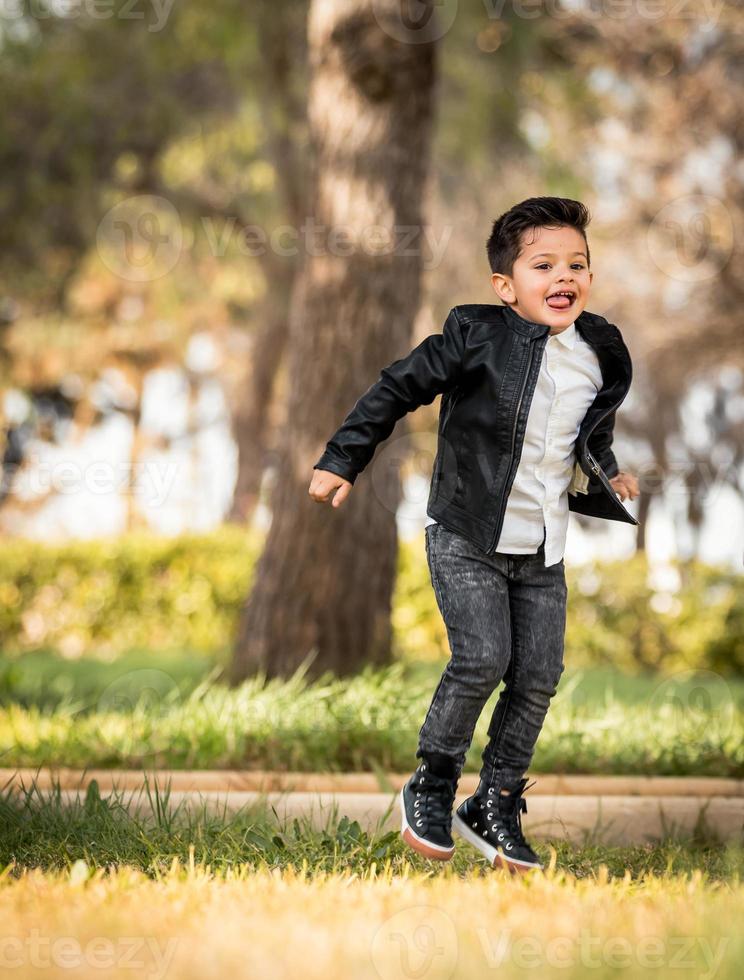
x=324, y=483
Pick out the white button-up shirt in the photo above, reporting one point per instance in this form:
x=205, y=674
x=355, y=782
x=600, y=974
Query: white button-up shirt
x=537, y=506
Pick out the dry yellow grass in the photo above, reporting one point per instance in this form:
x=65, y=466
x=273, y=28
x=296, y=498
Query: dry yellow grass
x=190, y=923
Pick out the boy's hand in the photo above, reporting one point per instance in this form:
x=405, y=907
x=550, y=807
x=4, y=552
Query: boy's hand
x=324, y=483
x=626, y=485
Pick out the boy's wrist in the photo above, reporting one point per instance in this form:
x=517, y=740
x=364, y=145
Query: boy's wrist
x=330, y=463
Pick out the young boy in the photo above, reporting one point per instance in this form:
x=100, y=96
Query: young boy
x=529, y=391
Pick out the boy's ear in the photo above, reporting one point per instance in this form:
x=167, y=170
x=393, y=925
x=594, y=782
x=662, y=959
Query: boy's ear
x=503, y=287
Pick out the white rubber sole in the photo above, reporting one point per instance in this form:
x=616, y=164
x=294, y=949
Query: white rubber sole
x=497, y=857
x=425, y=847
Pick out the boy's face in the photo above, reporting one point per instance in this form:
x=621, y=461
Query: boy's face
x=551, y=260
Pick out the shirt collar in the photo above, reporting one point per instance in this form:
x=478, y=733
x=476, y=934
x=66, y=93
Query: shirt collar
x=568, y=336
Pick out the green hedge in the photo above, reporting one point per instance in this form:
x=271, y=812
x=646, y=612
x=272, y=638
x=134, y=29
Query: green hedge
x=131, y=592
x=140, y=591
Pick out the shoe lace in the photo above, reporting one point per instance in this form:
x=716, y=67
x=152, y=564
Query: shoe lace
x=512, y=807
x=437, y=796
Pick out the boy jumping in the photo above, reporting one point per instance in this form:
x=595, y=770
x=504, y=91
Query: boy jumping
x=530, y=390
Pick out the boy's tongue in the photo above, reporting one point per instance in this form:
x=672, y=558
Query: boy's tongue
x=559, y=302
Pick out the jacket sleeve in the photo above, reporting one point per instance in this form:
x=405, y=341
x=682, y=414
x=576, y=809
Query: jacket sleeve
x=434, y=366
x=599, y=445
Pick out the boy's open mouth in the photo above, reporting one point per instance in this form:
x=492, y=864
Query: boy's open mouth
x=561, y=300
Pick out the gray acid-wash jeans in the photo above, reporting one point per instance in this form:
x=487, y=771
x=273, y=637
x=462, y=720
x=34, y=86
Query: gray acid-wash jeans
x=505, y=616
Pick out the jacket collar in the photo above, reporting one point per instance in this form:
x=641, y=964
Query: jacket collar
x=526, y=327
x=596, y=331
x=591, y=327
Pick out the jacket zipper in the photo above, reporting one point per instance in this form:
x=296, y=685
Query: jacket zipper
x=513, y=443
x=595, y=467
x=593, y=464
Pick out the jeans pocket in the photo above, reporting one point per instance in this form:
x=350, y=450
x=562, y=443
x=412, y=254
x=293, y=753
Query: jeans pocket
x=431, y=555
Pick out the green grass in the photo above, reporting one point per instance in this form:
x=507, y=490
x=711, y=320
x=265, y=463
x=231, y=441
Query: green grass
x=41, y=831
x=44, y=679
x=170, y=713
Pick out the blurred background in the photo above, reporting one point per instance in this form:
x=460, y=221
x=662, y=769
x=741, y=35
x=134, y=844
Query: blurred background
x=197, y=282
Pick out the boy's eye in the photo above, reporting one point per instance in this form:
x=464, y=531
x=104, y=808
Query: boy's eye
x=546, y=265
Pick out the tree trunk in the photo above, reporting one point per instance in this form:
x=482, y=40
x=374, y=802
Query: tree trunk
x=322, y=588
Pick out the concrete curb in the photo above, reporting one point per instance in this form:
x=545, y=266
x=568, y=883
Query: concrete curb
x=577, y=809
x=303, y=782
x=577, y=819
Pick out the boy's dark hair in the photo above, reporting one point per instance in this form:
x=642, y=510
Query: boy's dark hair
x=505, y=241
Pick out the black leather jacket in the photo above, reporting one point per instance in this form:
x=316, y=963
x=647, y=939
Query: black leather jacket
x=485, y=363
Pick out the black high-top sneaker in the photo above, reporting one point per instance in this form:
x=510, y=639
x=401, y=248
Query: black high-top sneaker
x=494, y=826
x=426, y=811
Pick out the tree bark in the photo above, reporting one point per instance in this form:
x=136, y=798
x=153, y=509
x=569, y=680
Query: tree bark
x=322, y=589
